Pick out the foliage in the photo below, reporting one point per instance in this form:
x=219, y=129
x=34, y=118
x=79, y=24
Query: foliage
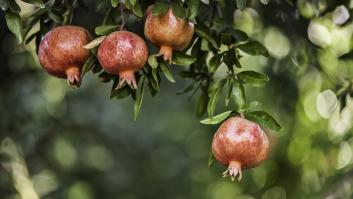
x=292, y=57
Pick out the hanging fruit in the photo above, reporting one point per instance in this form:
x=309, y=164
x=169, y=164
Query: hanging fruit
x=61, y=52
x=123, y=53
x=239, y=144
x=168, y=31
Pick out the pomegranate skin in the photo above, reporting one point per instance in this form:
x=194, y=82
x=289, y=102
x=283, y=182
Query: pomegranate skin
x=239, y=144
x=61, y=52
x=123, y=53
x=168, y=31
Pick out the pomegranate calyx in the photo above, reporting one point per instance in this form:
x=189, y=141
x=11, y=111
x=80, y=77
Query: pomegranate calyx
x=73, y=76
x=167, y=53
x=234, y=169
x=127, y=77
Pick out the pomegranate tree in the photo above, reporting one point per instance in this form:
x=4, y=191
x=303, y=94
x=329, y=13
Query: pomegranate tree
x=123, y=53
x=239, y=144
x=61, y=52
x=168, y=32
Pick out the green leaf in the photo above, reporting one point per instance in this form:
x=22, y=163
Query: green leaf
x=139, y=97
x=136, y=9
x=180, y=58
x=204, y=45
x=14, y=23
x=241, y=4
x=167, y=72
x=193, y=9
x=121, y=92
x=152, y=61
x=253, y=78
x=239, y=35
x=48, y=5
x=214, y=95
x=230, y=59
x=37, y=3
x=87, y=66
x=114, y=3
x=237, y=95
x=14, y=7
x=205, y=33
x=178, y=10
x=216, y=119
x=160, y=8
x=215, y=61
x=254, y=48
x=133, y=2
x=4, y=4
x=201, y=104
x=251, y=106
x=226, y=38
x=264, y=119
x=154, y=74
x=94, y=43
x=105, y=29
x=211, y=159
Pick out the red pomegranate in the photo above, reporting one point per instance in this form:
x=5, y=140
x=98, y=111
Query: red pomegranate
x=239, y=144
x=61, y=52
x=123, y=53
x=168, y=31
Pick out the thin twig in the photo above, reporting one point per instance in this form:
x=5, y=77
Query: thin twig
x=122, y=15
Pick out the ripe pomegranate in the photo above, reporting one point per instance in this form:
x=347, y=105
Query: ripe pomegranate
x=168, y=31
x=123, y=53
x=61, y=52
x=239, y=144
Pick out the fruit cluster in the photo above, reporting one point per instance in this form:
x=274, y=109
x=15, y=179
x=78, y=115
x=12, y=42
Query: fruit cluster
x=121, y=53
x=238, y=143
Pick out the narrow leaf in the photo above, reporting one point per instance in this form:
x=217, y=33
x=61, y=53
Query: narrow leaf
x=114, y=3
x=121, y=92
x=178, y=10
x=167, y=72
x=254, y=48
x=152, y=61
x=216, y=119
x=94, y=43
x=14, y=24
x=253, y=78
x=215, y=61
x=136, y=9
x=87, y=66
x=193, y=9
x=205, y=33
x=37, y=3
x=139, y=97
x=160, y=8
x=180, y=58
x=241, y=4
x=211, y=159
x=237, y=96
x=201, y=104
x=264, y=119
x=214, y=95
x=105, y=29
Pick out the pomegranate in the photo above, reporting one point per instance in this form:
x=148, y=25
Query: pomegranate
x=61, y=52
x=168, y=32
x=239, y=144
x=123, y=53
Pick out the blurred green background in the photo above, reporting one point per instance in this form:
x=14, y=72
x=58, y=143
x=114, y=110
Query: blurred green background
x=60, y=142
